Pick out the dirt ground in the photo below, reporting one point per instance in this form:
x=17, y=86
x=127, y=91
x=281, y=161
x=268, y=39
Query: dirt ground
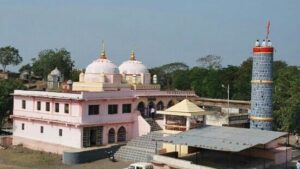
x=22, y=158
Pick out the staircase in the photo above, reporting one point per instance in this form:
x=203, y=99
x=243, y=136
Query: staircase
x=154, y=126
x=140, y=149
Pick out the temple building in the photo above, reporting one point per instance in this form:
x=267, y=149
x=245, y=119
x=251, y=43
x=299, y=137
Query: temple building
x=54, y=79
x=109, y=104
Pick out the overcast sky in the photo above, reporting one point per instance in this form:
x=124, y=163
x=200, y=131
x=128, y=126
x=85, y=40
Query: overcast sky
x=160, y=31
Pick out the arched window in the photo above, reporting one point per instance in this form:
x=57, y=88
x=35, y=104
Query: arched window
x=160, y=105
x=121, y=134
x=170, y=104
x=111, y=135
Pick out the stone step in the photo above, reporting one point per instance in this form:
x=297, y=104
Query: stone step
x=154, y=126
x=140, y=149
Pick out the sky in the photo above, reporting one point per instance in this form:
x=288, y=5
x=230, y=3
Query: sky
x=159, y=31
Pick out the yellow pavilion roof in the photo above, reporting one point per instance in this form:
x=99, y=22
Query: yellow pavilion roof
x=184, y=108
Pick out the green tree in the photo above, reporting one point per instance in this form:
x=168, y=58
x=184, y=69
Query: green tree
x=6, y=99
x=286, y=102
x=181, y=80
x=26, y=67
x=47, y=60
x=75, y=75
x=196, y=77
x=242, y=84
x=9, y=56
x=165, y=74
x=228, y=75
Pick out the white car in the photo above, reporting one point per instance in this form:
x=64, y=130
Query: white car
x=140, y=165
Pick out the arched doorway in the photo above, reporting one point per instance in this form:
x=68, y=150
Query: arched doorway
x=160, y=105
x=170, y=104
x=121, y=134
x=111, y=136
x=141, y=108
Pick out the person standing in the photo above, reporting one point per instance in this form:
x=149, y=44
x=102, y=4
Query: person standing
x=152, y=111
x=298, y=164
x=297, y=138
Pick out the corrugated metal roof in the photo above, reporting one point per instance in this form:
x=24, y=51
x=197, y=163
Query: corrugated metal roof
x=223, y=138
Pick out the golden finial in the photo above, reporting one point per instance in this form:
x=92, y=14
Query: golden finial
x=103, y=55
x=132, y=55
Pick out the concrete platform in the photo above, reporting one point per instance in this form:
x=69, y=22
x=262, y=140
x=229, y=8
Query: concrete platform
x=78, y=156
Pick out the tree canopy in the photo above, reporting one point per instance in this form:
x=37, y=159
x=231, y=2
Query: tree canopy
x=48, y=59
x=26, y=67
x=207, y=81
x=6, y=100
x=166, y=73
x=9, y=56
x=286, y=99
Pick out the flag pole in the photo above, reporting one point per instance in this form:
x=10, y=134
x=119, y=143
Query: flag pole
x=268, y=30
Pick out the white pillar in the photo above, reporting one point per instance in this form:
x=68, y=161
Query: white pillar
x=165, y=122
x=188, y=123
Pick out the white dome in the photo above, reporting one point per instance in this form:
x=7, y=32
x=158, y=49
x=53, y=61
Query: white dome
x=99, y=66
x=55, y=72
x=133, y=67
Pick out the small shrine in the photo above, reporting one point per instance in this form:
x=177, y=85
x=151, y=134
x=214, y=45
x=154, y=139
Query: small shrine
x=183, y=116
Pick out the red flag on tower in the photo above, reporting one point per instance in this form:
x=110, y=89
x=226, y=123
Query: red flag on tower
x=268, y=28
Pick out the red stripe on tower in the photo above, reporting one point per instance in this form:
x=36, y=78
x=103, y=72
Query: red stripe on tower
x=263, y=50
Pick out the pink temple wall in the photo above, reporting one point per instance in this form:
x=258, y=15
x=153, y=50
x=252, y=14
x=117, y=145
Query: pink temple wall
x=73, y=122
x=74, y=115
x=78, y=114
x=70, y=136
x=103, y=116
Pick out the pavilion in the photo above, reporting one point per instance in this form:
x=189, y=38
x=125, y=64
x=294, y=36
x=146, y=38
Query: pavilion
x=190, y=142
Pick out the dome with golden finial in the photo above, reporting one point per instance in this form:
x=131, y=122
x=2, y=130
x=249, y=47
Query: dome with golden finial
x=133, y=66
x=102, y=65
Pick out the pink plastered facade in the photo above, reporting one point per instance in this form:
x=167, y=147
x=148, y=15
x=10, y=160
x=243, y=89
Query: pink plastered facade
x=42, y=117
x=105, y=107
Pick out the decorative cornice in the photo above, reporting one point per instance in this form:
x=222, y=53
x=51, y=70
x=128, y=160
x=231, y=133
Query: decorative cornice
x=261, y=118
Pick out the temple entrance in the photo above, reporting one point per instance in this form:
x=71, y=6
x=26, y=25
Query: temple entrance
x=92, y=136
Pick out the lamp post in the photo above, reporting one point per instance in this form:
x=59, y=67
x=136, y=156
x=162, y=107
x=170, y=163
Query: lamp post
x=228, y=92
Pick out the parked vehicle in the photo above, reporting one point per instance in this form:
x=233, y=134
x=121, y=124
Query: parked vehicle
x=140, y=165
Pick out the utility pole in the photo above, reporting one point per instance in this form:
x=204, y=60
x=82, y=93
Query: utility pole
x=228, y=91
x=228, y=94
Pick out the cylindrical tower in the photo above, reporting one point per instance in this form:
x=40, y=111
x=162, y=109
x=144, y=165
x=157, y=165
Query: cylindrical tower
x=261, y=87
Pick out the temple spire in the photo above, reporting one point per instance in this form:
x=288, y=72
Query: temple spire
x=103, y=55
x=132, y=55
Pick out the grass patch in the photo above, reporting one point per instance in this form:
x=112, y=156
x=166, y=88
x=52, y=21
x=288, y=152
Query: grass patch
x=20, y=156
